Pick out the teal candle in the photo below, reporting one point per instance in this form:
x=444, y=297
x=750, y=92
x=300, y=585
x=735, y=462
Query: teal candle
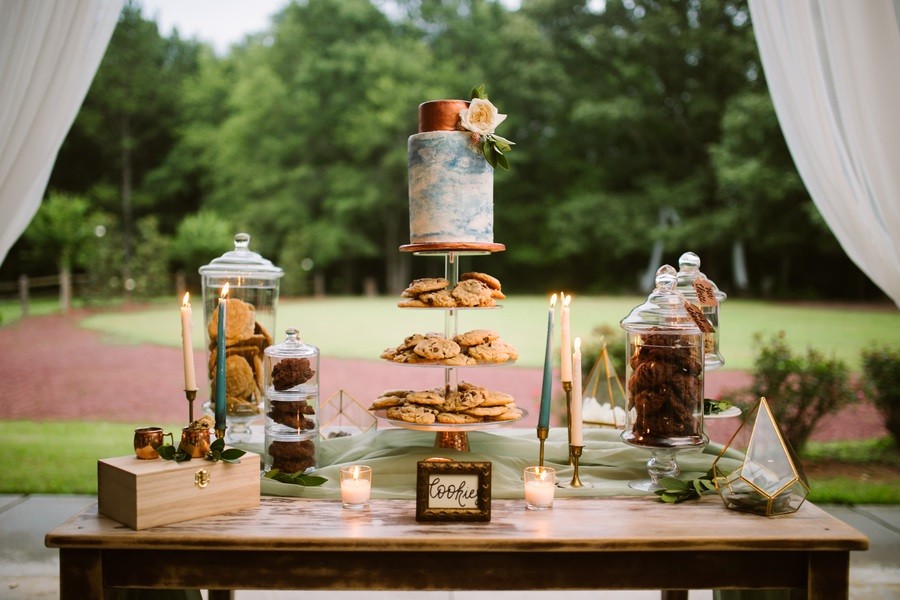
x=544, y=416
x=220, y=363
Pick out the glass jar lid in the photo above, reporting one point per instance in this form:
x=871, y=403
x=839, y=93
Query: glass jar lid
x=291, y=347
x=688, y=272
x=242, y=262
x=664, y=308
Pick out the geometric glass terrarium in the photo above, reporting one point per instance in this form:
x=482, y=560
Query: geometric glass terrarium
x=771, y=480
x=603, y=398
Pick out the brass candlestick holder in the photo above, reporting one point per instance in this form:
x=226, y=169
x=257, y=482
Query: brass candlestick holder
x=542, y=433
x=575, y=454
x=567, y=386
x=191, y=395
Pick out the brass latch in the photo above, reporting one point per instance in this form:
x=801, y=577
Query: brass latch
x=201, y=478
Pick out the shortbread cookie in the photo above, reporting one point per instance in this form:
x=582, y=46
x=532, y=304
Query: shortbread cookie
x=426, y=284
x=476, y=337
x=412, y=414
x=488, y=280
x=472, y=292
x=240, y=322
x=437, y=348
x=239, y=379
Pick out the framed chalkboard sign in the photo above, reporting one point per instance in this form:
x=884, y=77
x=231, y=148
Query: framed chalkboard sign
x=453, y=491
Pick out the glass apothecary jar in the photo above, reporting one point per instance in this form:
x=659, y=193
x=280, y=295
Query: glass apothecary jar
x=292, y=385
x=690, y=280
x=664, y=379
x=251, y=306
x=291, y=453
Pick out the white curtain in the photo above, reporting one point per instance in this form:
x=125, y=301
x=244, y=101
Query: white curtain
x=833, y=68
x=49, y=53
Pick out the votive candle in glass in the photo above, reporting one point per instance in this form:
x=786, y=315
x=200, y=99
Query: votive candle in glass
x=540, y=486
x=356, y=486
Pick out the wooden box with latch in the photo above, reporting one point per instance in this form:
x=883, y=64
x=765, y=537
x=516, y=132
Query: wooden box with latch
x=148, y=493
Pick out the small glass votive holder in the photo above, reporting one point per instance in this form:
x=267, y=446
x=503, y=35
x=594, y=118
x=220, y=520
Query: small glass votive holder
x=540, y=486
x=356, y=486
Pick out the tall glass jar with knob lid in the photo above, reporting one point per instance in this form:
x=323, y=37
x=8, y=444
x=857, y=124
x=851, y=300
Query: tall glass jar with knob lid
x=700, y=290
x=664, y=374
x=251, y=306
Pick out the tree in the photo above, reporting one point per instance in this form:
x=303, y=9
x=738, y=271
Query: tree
x=61, y=230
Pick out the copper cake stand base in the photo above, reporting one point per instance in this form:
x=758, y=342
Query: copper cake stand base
x=455, y=440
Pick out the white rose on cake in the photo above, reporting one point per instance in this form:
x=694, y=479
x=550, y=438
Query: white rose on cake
x=482, y=117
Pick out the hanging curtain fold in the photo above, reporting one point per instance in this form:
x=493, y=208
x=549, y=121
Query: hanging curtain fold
x=833, y=69
x=50, y=52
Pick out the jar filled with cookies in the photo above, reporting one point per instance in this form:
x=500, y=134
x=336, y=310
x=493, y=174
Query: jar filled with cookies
x=704, y=293
x=251, y=301
x=664, y=371
x=292, y=403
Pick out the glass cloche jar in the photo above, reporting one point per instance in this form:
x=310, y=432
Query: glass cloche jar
x=292, y=404
x=664, y=374
x=689, y=276
x=251, y=306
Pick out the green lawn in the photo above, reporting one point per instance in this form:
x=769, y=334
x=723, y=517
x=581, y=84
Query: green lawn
x=351, y=327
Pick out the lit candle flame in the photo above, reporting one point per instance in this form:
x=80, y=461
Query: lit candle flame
x=355, y=472
x=224, y=290
x=187, y=299
x=552, y=300
x=567, y=299
x=577, y=344
x=542, y=473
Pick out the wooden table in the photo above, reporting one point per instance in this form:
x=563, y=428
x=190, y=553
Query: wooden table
x=597, y=543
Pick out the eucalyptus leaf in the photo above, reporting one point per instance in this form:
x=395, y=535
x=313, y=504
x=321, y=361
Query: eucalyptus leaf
x=673, y=483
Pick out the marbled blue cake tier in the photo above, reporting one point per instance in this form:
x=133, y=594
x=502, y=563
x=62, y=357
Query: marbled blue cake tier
x=451, y=189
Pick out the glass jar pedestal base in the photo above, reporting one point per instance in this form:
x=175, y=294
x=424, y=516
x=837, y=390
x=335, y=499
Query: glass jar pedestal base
x=662, y=463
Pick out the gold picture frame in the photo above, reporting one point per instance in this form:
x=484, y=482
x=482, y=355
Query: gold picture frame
x=453, y=491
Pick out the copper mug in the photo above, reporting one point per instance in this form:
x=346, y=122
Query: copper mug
x=147, y=440
x=194, y=442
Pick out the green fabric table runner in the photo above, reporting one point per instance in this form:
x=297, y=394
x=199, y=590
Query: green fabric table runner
x=607, y=463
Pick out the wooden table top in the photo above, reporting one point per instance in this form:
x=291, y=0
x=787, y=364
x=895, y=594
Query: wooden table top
x=573, y=525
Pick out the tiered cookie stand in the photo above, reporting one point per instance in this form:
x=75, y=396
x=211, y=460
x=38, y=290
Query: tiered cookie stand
x=452, y=435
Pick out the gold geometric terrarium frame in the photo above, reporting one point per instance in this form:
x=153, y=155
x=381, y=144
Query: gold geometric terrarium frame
x=342, y=414
x=603, y=381
x=770, y=481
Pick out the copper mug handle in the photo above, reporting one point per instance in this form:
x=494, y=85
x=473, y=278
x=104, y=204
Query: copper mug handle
x=147, y=440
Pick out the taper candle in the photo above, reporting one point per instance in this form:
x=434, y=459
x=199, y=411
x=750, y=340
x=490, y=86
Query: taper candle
x=190, y=378
x=544, y=417
x=577, y=434
x=220, y=361
x=565, y=362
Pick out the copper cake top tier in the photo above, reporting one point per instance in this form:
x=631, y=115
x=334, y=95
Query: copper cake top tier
x=440, y=115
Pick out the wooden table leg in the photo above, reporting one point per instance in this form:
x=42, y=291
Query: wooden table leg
x=674, y=595
x=828, y=576
x=80, y=574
